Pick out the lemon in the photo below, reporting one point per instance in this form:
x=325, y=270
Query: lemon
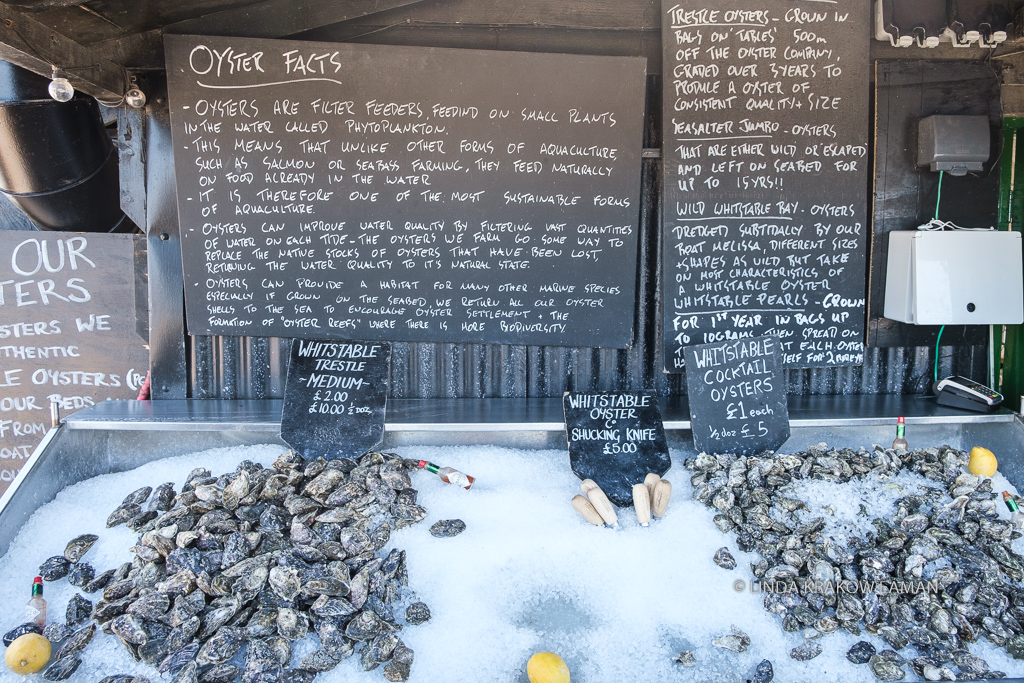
x=983, y=462
x=28, y=654
x=547, y=667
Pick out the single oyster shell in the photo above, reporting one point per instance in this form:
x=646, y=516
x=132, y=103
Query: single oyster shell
x=79, y=546
x=54, y=568
x=78, y=610
x=364, y=626
x=163, y=497
x=262, y=623
x=763, y=673
x=382, y=647
x=446, y=528
x=18, y=631
x=417, y=613
x=885, y=670
x=221, y=646
x=808, y=650
x=737, y=641
x=150, y=606
x=61, y=668
x=100, y=582
x=76, y=641
x=181, y=634
x=81, y=574
x=332, y=638
x=861, y=652
x=318, y=661
x=282, y=650
x=138, y=496
x=724, y=559
x=129, y=629
x=328, y=607
x=292, y=624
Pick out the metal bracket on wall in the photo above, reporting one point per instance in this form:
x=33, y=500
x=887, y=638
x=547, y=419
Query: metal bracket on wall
x=651, y=153
x=166, y=282
x=131, y=154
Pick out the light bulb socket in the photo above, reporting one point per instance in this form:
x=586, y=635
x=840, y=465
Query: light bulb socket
x=135, y=98
x=61, y=89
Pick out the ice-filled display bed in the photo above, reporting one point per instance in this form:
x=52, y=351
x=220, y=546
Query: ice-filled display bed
x=527, y=574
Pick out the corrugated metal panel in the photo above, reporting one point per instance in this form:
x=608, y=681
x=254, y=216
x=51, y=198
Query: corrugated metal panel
x=245, y=367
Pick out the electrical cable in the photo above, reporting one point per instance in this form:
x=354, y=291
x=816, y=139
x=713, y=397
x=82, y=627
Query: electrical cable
x=936, y=224
x=937, y=339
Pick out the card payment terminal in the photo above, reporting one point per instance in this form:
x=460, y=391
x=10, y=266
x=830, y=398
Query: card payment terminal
x=960, y=392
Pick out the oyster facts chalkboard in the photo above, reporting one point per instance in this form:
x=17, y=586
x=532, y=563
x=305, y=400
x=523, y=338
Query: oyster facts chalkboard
x=335, y=397
x=344, y=191
x=616, y=440
x=67, y=332
x=737, y=396
x=765, y=141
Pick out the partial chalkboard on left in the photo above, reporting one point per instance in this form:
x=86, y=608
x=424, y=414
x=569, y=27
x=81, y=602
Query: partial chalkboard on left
x=67, y=332
x=335, y=397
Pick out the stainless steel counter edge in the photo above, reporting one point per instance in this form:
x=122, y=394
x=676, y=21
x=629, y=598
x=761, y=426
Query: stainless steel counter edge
x=503, y=415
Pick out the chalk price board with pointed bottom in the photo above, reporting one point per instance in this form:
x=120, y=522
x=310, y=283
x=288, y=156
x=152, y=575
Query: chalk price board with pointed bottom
x=347, y=191
x=737, y=396
x=616, y=440
x=335, y=397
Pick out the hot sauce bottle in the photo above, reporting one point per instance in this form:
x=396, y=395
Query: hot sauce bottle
x=449, y=475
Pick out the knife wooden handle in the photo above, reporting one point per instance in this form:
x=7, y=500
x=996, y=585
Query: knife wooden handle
x=603, y=506
x=586, y=510
x=662, y=494
x=642, y=504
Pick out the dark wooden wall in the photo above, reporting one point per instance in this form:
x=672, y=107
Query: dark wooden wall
x=899, y=360
x=905, y=194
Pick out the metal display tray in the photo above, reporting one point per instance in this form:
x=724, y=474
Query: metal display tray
x=115, y=436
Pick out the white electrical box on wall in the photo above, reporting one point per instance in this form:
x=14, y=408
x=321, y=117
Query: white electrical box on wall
x=954, y=277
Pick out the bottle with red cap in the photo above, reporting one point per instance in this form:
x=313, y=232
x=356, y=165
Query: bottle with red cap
x=35, y=611
x=1016, y=517
x=900, y=442
x=449, y=475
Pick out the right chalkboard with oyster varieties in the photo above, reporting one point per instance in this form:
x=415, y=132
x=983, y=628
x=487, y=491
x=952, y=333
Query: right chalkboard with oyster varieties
x=765, y=147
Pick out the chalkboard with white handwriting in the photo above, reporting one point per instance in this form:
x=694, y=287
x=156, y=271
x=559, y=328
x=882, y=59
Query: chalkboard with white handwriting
x=616, y=440
x=766, y=132
x=335, y=398
x=347, y=191
x=67, y=332
x=737, y=396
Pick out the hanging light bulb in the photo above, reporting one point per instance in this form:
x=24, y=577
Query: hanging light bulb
x=135, y=98
x=60, y=88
